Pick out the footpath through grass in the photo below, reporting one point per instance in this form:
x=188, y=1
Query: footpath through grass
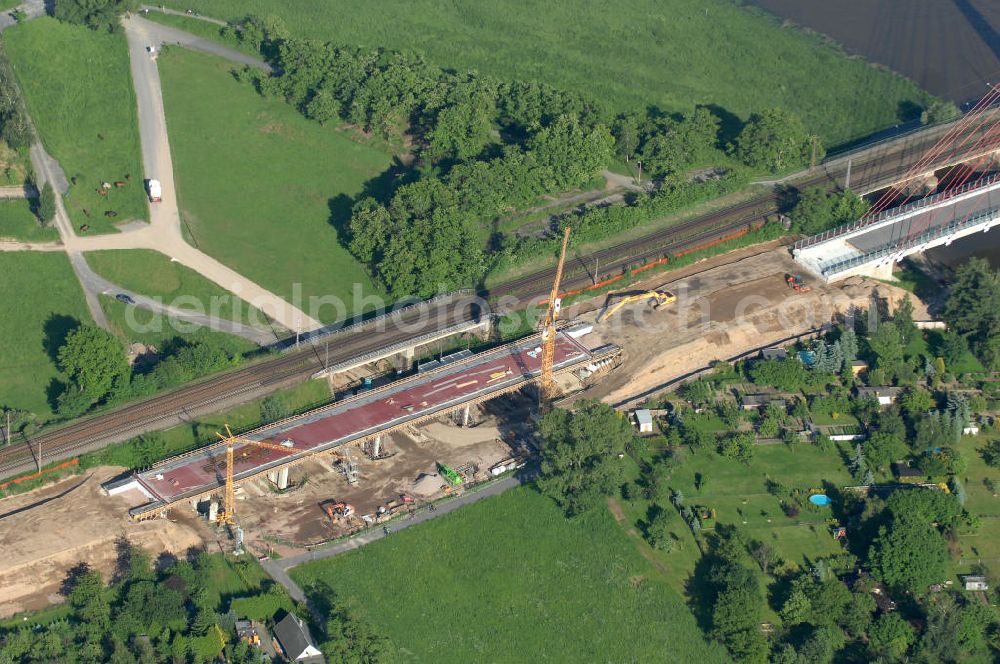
x=509, y=579
x=669, y=53
x=259, y=184
x=78, y=89
x=153, y=274
x=17, y=222
x=42, y=301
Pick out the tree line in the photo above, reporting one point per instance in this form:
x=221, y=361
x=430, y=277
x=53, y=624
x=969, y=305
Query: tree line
x=485, y=147
x=97, y=369
x=175, y=613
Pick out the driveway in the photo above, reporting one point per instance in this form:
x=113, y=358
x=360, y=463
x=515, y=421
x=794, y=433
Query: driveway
x=164, y=34
x=31, y=9
x=98, y=284
x=163, y=233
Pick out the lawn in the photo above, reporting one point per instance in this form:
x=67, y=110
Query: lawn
x=139, y=325
x=739, y=495
x=984, y=544
x=667, y=53
x=17, y=222
x=153, y=274
x=42, y=301
x=509, y=579
x=78, y=90
x=258, y=183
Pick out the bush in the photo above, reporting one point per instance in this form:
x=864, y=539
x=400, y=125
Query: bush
x=657, y=530
x=182, y=365
x=46, y=209
x=95, y=14
x=738, y=447
x=273, y=409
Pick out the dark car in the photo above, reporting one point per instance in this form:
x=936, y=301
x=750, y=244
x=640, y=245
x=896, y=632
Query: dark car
x=126, y=299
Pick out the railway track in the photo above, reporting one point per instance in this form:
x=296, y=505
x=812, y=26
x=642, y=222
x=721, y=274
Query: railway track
x=616, y=259
x=88, y=434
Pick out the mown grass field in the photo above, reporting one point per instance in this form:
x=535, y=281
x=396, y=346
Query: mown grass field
x=667, y=53
x=133, y=324
x=983, y=545
x=153, y=274
x=17, y=222
x=42, y=301
x=509, y=579
x=78, y=90
x=258, y=183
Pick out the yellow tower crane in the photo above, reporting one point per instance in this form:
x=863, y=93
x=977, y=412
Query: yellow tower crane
x=547, y=383
x=228, y=514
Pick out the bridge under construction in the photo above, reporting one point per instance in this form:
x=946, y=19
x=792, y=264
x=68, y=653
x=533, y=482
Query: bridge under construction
x=450, y=387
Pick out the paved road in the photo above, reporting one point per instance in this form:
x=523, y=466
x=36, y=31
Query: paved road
x=164, y=34
x=47, y=170
x=31, y=8
x=163, y=233
x=96, y=283
x=278, y=569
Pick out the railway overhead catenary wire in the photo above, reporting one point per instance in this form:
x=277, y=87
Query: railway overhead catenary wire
x=87, y=434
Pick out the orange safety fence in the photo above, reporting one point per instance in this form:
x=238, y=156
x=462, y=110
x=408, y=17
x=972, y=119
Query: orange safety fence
x=25, y=478
x=661, y=261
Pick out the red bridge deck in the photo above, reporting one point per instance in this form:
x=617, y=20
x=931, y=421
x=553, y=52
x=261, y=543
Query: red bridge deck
x=363, y=416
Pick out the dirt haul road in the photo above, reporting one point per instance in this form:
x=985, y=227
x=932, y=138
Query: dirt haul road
x=721, y=311
x=44, y=541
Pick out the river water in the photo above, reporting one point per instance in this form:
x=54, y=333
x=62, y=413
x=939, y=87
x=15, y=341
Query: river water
x=949, y=47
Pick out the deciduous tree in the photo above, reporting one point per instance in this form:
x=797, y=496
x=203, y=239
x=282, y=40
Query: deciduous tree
x=580, y=461
x=774, y=140
x=95, y=14
x=909, y=555
x=94, y=360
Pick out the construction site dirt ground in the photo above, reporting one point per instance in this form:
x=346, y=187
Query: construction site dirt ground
x=46, y=532
x=284, y=522
x=726, y=306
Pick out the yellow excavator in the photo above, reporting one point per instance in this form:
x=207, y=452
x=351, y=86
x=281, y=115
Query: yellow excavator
x=660, y=297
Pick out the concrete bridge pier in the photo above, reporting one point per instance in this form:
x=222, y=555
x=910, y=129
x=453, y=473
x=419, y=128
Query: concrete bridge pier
x=403, y=361
x=273, y=478
x=283, y=478
x=465, y=415
x=882, y=271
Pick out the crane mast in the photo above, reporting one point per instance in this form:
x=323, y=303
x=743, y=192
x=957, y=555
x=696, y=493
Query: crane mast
x=547, y=384
x=228, y=515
